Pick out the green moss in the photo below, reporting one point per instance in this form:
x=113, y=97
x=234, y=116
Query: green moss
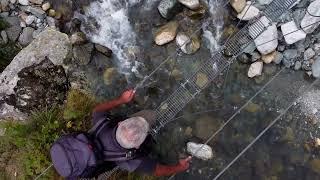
x=78, y=109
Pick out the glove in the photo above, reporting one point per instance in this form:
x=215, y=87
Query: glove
x=127, y=96
x=184, y=164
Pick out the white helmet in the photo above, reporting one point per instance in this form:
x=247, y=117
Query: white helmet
x=132, y=132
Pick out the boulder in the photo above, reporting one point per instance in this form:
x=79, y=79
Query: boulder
x=51, y=44
x=291, y=32
x=267, y=41
x=46, y=6
x=82, y=53
x=187, y=44
x=14, y=30
x=249, y=12
x=238, y=5
x=78, y=38
x=264, y=2
x=38, y=12
x=310, y=21
x=316, y=68
x=169, y=8
x=39, y=2
x=191, y=4
x=26, y=36
x=308, y=54
x=104, y=50
x=278, y=58
x=166, y=33
x=255, y=69
x=268, y=58
x=30, y=19
x=23, y=2
x=200, y=151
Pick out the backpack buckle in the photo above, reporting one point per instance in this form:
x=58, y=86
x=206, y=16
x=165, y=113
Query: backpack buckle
x=130, y=154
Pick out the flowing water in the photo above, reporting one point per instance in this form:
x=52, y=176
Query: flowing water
x=284, y=152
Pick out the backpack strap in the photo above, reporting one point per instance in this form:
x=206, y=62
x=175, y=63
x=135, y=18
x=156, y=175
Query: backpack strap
x=119, y=156
x=96, y=129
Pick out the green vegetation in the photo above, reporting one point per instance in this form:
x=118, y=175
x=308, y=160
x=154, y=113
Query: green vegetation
x=3, y=24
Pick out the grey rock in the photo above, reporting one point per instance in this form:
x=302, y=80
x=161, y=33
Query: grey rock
x=308, y=54
x=104, y=50
x=39, y=2
x=23, y=2
x=298, y=15
x=30, y=19
x=82, y=53
x=297, y=65
x=244, y=58
x=316, y=68
x=255, y=56
x=4, y=37
x=13, y=1
x=281, y=48
x=278, y=58
x=291, y=32
x=38, y=12
x=310, y=21
x=4, y=5
x=26, y=36
x=306, y=66
x=249, y=12
x=264, y=2
x=78, y=38
x=200, y=151
x=249, y=48
x=187, y=44
x=51, y=21
x=191, y=4
x=14, y=30
x=36, y=33
x=290, y=53
x=317, y=48
x=169, y=8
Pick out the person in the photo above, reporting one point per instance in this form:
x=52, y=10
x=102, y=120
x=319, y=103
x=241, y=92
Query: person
x=131, y=133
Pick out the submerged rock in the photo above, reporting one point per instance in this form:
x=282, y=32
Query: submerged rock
x=310, y=21
x=315, y=165
x=201, y=80
x=205, y=126
x=291, y=32
x=169, y=8
x=249, y=12
x=238, y=5
x=189, y=45
x=166, y=33
x=108, y=75
x=316, y=68
x=200, y=151
x=191, y=4
x=255, y=69
x=270, y=35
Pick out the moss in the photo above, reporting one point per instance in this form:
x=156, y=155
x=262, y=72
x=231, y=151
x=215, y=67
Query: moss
x=7, y=53
x=78, y=109
x=3, y=24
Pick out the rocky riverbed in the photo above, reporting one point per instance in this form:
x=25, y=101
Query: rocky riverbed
x=104, y=47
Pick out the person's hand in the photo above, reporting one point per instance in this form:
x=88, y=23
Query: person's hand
x=127, y=96
x=184, y=163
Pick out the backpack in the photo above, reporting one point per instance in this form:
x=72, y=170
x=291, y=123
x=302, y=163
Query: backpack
x=81, y=154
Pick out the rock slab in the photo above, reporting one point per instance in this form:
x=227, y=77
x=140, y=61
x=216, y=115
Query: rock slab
x=166, y=33
x=200, y=151
x=310, y=21
x=249, y=12
x=291, y=33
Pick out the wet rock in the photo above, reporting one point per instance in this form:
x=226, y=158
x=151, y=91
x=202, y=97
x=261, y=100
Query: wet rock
x=23, y=2
x=39, y=2
x=252, y=107
x=204, y=127
x=200, y=151
x=78, y=38
x=14, y=30
x=201, y=80
x=270, y=35
x=308, y=54
x=311, y=19
x=39, y=86
x=166, y=33
x=315, y=165
x=46, y=6
x=268, y=58
x=255, y=69
x=249, y=12
x=51, y=44
x=82, y=53
x=278, y=58
x=26, y=36
x=238, y=5
x=191, y=4
x=189, y=45
x=169, y=8
x=104, y=50
x=291, y=33
x=108, y=75
x=197, y=13
x=4, y=37
x=288, y=136
x=316, y=68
